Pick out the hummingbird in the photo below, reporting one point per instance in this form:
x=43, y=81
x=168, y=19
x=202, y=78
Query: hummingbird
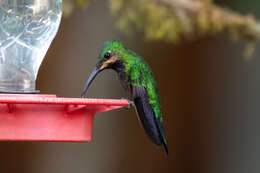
x=137, y=79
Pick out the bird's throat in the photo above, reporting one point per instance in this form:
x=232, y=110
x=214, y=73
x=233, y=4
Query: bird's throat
x=119, y=67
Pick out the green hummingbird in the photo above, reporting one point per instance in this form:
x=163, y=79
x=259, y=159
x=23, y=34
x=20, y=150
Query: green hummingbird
x=137, y=79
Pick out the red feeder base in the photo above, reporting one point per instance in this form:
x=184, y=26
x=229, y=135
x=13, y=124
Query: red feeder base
x=36, y=117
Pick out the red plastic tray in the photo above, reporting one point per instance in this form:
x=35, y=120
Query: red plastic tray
x=36, y=117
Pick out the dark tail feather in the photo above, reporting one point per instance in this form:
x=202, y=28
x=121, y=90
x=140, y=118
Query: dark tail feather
x=151, y=124
x=163, y=138
x=165, y=147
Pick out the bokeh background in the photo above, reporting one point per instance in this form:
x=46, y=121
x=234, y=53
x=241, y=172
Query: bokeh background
x=209, y=94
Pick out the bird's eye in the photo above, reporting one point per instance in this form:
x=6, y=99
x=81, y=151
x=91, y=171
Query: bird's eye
x=107, y=55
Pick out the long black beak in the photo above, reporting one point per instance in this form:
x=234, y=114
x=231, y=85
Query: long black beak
x=90, y=79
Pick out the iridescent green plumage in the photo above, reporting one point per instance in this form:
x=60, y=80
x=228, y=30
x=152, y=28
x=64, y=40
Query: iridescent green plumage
x=135, y=66
x=137, y=78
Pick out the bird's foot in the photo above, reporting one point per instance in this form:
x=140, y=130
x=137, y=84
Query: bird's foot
x=131, y=103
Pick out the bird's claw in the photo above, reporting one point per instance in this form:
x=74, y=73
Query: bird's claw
x=131, y=103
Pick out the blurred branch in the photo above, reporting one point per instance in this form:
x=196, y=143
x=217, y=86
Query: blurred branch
x=176, y=20
x=245, y=25
x=173, y=20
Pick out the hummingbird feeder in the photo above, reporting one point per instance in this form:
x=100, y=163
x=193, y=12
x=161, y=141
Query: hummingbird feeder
x=27, y=29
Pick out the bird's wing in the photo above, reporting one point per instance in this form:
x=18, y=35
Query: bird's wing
x=151, y=124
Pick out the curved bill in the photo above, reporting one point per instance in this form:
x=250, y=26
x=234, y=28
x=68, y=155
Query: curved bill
x=90, y=79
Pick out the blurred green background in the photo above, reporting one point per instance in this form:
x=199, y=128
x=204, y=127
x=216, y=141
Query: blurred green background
x=209, y=93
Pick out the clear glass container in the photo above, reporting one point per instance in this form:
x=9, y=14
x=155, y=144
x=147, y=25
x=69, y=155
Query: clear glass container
x=27, y=28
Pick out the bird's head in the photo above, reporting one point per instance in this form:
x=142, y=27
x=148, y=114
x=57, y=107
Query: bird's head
x=111, y=56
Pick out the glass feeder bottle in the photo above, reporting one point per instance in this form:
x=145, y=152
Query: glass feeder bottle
x=27, y=28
